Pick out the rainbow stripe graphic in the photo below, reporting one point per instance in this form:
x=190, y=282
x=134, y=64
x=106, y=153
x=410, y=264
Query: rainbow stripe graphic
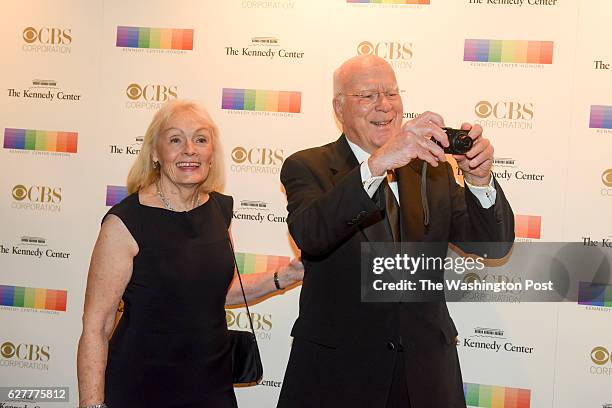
x=390, y=1
x=114, y=194
x=260, y=100
x=33, y=298
x=495, y=396
x=256, y=263
x=518, y=51
x=601, y=117
x=158, y=38
x=41, y=140
x=594, y=294
x=527, y=226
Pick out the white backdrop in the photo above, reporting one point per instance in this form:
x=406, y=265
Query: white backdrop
x=550, y=121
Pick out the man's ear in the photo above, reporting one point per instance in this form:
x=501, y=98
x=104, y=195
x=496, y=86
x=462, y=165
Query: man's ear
x=338, y=108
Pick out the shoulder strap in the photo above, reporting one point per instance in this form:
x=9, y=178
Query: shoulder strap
x=246, y=305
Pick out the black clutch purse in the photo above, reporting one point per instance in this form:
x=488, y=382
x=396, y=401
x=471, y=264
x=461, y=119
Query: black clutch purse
x=246, y=362
x=247, y=368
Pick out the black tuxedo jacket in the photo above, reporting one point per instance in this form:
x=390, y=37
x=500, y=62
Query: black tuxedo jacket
x=344, y=349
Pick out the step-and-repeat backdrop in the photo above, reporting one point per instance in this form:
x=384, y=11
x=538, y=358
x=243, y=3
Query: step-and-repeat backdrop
x=81, y=80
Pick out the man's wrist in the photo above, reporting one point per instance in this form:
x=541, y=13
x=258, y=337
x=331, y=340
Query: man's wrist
x=375, y=168
x=478, y=181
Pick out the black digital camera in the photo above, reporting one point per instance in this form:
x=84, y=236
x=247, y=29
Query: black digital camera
x=458, y=141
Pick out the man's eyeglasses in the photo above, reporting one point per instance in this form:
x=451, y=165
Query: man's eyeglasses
x=370, y=96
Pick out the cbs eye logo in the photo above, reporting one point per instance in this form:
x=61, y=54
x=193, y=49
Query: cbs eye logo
x=239, y=155
x=7, y=350
x=30, y=35
x=24, y=352
x=241, y=320
x=483, y=109
x=133, y=91
x=471, y=277
x=365, y=48
x=38, y=194
x=47, y=35
x=504, y=110
x=263, y=156
x=392, y=50
x=19, y=192
x=600, y=355
x=606, y=178
x=151, y=92
x=230, y=318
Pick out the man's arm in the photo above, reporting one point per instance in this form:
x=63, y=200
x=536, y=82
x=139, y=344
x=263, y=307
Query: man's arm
x=471, y=223
x=322, y=215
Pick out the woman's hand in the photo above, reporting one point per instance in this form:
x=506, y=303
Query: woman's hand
x=290, y=274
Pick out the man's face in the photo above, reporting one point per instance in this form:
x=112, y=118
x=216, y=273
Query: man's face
x=369, y=122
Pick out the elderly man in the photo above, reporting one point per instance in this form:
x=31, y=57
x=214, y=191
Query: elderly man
x=349, y=353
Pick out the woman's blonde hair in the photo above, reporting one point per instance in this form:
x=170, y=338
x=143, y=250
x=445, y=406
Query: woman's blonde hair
x=143, y=172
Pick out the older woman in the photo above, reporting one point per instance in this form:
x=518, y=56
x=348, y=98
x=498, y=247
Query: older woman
x=165, y=251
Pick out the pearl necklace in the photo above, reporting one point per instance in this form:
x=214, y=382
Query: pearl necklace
x=166, y=202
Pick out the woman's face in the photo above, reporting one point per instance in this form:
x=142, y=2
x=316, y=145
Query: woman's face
x=184, y=150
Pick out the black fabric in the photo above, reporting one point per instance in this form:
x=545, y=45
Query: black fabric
x=344, y=350
x=398, y=392
x=171, y=347
x=246, y=361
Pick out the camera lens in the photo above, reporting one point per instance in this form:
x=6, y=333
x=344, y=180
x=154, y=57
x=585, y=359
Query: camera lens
x=462, y=143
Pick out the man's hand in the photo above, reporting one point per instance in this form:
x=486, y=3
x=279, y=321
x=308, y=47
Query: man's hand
x=412, y=142
x=477, y=162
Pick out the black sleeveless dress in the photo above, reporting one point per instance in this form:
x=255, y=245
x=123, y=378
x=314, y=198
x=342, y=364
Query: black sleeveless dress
x=171, y=347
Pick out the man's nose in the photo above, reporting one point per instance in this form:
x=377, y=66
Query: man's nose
x=383, y=103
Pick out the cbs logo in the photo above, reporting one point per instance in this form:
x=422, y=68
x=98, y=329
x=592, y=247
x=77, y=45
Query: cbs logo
x=30, y=352
x=7, y=350
x=38, y=194
x=471, y=277
x=388, y=50
x=258, y=155
x=606, y=178
x=151, y=93
x=239, y=155
x=241, y=320
x=600, y=355
x=54, y=36
x=474, y=277
x=20, y=192
x=504, y=110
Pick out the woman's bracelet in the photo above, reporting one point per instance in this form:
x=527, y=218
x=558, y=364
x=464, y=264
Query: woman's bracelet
x=276, y=281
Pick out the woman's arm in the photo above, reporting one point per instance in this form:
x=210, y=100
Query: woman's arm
x=258, y=285
x=109, y=273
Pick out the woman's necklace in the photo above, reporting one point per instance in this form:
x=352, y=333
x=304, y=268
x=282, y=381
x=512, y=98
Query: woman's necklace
x=166, y=202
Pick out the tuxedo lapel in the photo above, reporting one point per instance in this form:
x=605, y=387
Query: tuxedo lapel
x=342, y=159
x=411, y=207
x=374, y=228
